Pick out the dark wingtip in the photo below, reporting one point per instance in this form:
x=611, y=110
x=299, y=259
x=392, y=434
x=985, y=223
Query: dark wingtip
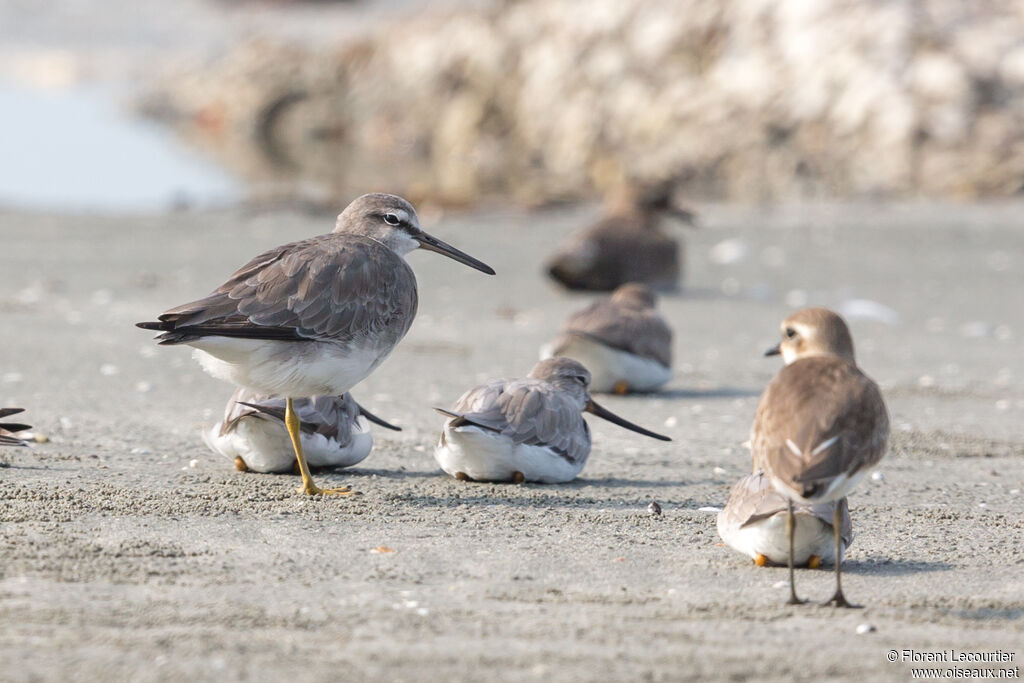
x=153, y=326
x=446, y=413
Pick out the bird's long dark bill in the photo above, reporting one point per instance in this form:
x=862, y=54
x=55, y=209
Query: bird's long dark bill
x=774, y=351
x=431, y=243
x=606, y=414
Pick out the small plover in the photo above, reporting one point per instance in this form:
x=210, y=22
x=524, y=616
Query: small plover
x=622, y=340
x=821, y=424
x=625, y=245
x=335, y=432
x=753, y=522
x=528, y=429
x=8, y=429
x=315, y=317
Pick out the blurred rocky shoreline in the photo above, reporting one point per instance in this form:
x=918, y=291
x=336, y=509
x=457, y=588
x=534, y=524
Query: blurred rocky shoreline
x=541, y=101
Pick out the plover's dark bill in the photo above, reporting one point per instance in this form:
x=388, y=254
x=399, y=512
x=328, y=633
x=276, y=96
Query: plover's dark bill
x=821, y=424
x=529, y=429
x=314, y=317
x=334, y=432
x=622, y=340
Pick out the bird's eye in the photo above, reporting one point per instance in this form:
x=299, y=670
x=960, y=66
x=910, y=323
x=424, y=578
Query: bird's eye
x=392, y=219
x=581, y=379
x=790, y=333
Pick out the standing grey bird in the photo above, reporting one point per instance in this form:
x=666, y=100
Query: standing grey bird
x=313, y=317
x=528, y=429
x=622, y=340
x=8, y=429
x=625, y=245
x=821, y=424
x=334, y=431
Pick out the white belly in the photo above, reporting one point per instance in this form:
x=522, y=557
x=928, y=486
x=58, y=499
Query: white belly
x=280, y=368
x=609, y=366
x=487, y=456
x=768, y=537
x=264, y=445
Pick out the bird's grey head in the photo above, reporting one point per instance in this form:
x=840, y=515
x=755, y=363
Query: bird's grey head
x=813, y=332
x=566, y=374
x=634, y=295
x=393, y=222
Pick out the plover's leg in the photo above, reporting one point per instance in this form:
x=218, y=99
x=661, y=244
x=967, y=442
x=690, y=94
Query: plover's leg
x=621, y=388
x=291, y=421
x=518, y=477
x=790, y=532
x=462, y=476
x=838, y=600
x=761, y=560
x=240, y=464
x=813, y=562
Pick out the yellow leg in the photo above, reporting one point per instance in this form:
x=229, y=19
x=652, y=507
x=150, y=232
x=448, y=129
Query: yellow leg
x=291, y=421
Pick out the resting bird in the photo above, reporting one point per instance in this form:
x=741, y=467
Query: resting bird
x=8, y=429
x=528, y=429
x=334, y=432
x=625, y=245
x=753, y=522
x=622, y=340
x=821, y=424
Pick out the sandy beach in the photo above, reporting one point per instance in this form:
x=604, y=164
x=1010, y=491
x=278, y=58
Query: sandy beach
x=128, y=551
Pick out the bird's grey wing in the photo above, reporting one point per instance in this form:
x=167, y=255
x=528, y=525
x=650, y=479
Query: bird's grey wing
x=644, y=333
x=321, y=288
x=752, y=499
x=818, y=419
x=528, y=412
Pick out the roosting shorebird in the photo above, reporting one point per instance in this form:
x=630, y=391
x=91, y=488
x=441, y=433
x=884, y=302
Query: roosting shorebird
x=821, y=424
x=314, y=317
x=625, y=245
x=334, y=431
x=622, y=340
x=528, y=429
x=8, y=429
x=754, y=519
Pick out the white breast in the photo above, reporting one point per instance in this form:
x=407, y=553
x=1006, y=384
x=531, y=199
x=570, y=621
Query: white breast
x=768, y=537
x=609, y=366
x=484, y=455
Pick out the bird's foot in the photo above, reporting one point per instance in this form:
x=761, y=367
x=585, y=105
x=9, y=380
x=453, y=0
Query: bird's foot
x=621, y=388
x=814, y=561
x=839, y=600
x=793, y=600
x=240, y=464
x=518, y=477
x=462, y=476
x=761, y=560
x=311, y=489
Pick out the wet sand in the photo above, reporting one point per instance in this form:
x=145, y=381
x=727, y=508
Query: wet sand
x=129, y=551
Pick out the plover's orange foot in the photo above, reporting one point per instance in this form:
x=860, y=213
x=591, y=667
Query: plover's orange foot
x=462, y=476
x=621, y=388
x=761, y=560
x=314, y=490
x=518, y=477
x=240, y=464
x=813, y=562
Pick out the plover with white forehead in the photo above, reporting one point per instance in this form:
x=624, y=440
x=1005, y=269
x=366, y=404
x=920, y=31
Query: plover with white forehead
x=529, y=429
x=754, y=520
x=622, y=340
x=334, y=432
x=313, y=317
x=821, y=424
x=626, y=244
x=8, y=429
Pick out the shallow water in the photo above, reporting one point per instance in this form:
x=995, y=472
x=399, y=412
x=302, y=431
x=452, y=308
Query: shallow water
x=74, y=149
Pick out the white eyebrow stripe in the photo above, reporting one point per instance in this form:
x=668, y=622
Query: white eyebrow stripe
x=793, y=447
x=824, y=445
